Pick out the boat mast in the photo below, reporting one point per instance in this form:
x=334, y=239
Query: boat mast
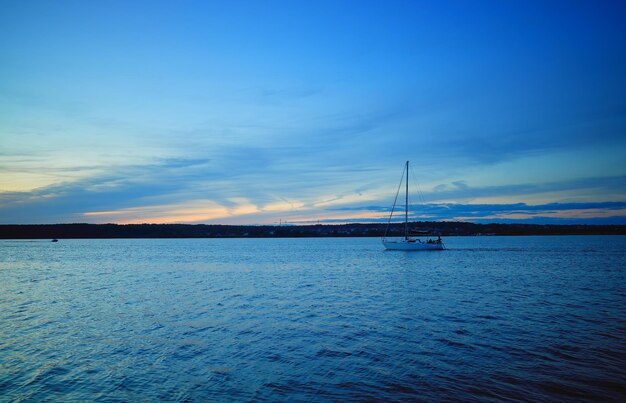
x=406, y=204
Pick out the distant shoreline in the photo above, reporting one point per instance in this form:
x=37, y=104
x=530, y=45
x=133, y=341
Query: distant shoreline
x=110, y=231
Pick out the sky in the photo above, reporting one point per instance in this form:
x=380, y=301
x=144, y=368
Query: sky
x=267, y=112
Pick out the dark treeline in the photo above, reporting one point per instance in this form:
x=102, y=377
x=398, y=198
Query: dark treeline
x=66, y=231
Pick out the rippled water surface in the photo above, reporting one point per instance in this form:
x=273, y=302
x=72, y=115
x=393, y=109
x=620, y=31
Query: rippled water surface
x=532, y=318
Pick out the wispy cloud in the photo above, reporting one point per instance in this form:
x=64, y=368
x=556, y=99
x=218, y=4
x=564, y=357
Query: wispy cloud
x=201, y=190
x=596, y=186
x=605, y=212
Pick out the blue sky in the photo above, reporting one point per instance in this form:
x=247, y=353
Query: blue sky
x=258, y=112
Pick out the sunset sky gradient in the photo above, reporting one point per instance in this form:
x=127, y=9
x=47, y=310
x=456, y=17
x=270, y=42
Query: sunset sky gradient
x=259, y=112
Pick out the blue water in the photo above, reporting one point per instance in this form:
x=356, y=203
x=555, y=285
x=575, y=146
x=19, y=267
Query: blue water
x=492, y=318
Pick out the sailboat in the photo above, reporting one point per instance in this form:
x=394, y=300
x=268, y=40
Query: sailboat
x=411, y=241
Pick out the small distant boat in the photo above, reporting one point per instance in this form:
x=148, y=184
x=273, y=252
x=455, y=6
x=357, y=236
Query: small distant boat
x=412, y=240
x=55, y=240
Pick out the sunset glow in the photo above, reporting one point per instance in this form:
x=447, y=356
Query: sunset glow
x=265, y=112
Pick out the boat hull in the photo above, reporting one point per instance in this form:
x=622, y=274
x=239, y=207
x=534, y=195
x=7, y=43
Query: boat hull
x=412, y=245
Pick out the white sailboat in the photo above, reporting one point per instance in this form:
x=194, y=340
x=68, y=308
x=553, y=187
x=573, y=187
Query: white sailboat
x=410, y=242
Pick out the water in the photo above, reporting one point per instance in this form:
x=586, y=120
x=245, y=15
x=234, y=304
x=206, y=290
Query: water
x=492, y=318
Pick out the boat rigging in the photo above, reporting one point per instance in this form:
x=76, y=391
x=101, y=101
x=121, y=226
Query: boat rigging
x=412, y=241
